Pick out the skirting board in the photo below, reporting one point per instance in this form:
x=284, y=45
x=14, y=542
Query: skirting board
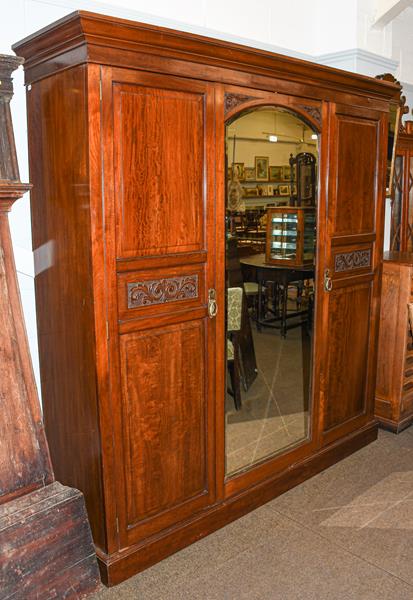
x=395, y=426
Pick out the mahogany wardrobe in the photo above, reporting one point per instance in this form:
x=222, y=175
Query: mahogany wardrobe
x=126, y=127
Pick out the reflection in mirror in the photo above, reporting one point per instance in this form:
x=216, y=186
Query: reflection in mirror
x=272, y=161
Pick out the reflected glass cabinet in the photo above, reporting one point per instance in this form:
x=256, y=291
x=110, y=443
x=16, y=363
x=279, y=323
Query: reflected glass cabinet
x=291, y=235
x=127, y=126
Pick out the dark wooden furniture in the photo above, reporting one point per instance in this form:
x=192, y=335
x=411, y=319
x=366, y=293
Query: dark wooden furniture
x=401, y=228
x=290, y=236
x=234, y=278
x=46, y=547
x=394, y=386
x=303, y=173
x=126, y=131
x=255, y=268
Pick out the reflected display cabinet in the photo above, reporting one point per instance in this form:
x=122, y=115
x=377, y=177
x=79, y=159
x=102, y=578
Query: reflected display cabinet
x=126, y=127
x=291, y=236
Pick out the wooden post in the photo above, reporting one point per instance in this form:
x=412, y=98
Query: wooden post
x=46, y=549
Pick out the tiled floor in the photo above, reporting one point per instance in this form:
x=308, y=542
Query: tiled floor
x=346, y=534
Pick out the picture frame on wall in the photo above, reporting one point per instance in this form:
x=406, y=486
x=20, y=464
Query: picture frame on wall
x=249, y=173
x=284, y=190
x=250, y=192
x=286, y=172
x=276, y=173
x=262, y=168
x=238, y=168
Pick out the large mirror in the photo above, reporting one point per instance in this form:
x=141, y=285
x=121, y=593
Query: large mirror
x=271, y=227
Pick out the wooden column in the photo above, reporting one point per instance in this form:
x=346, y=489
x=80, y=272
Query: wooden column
x=45, y=541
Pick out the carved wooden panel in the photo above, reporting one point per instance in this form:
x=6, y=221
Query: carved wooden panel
x=159, y=291
x=167, y=291
x=350, y=261
x=313, y=111
x=164, y=416
x=159, y=170
x=233, y=100
x=356, y=152
x=348, y=342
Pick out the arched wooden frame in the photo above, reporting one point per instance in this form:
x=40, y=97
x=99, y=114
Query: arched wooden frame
x=273, y=463
x=311, y=115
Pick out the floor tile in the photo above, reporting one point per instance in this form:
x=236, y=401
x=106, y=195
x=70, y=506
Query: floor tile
x=307, y=567
x=345, y=534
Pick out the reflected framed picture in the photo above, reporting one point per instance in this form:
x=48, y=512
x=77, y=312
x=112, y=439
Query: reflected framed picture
x=238, y=169
x=286, y=173
x=276, y=173
x=249, y=173
x=262, y=168
x=284, y=190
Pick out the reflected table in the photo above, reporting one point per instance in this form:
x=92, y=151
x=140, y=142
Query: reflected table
x=254, y=268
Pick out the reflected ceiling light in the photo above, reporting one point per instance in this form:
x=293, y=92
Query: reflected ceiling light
x=272, y=138
x=314, y=136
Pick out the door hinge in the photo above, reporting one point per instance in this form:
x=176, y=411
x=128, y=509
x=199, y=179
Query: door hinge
x=107, y=330
x=117, y=525
x=100, y=89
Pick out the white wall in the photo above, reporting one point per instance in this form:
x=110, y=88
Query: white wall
x=341, y=33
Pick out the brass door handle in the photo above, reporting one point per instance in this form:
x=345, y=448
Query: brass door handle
x=328, y=282
x=212, y=303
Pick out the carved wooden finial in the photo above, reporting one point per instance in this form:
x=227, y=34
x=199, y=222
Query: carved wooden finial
x=404, y=109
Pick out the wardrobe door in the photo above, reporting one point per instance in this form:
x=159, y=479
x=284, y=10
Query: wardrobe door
x=159, y=189
x=352, y=267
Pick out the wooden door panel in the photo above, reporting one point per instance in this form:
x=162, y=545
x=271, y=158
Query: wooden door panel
x=355, y=193
x=352, y=258
x=160, y=177
x=159, y=165
x=165, y=423
x=348, y=327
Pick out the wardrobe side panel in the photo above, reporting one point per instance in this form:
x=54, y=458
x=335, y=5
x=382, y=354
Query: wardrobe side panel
x=59, y=171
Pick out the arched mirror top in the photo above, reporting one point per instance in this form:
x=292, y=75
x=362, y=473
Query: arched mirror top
x=310, y=115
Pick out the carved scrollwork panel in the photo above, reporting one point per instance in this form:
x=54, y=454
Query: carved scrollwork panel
x=160, y=291
x=313, y=111
x=231, y=101
x=348, y=261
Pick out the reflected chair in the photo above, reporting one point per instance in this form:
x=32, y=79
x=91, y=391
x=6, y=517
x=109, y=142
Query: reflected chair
x=234, y=315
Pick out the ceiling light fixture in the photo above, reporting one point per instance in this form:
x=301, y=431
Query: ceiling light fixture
x=272, y=138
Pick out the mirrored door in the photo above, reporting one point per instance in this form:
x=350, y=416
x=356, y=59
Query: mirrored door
x=271, y=229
